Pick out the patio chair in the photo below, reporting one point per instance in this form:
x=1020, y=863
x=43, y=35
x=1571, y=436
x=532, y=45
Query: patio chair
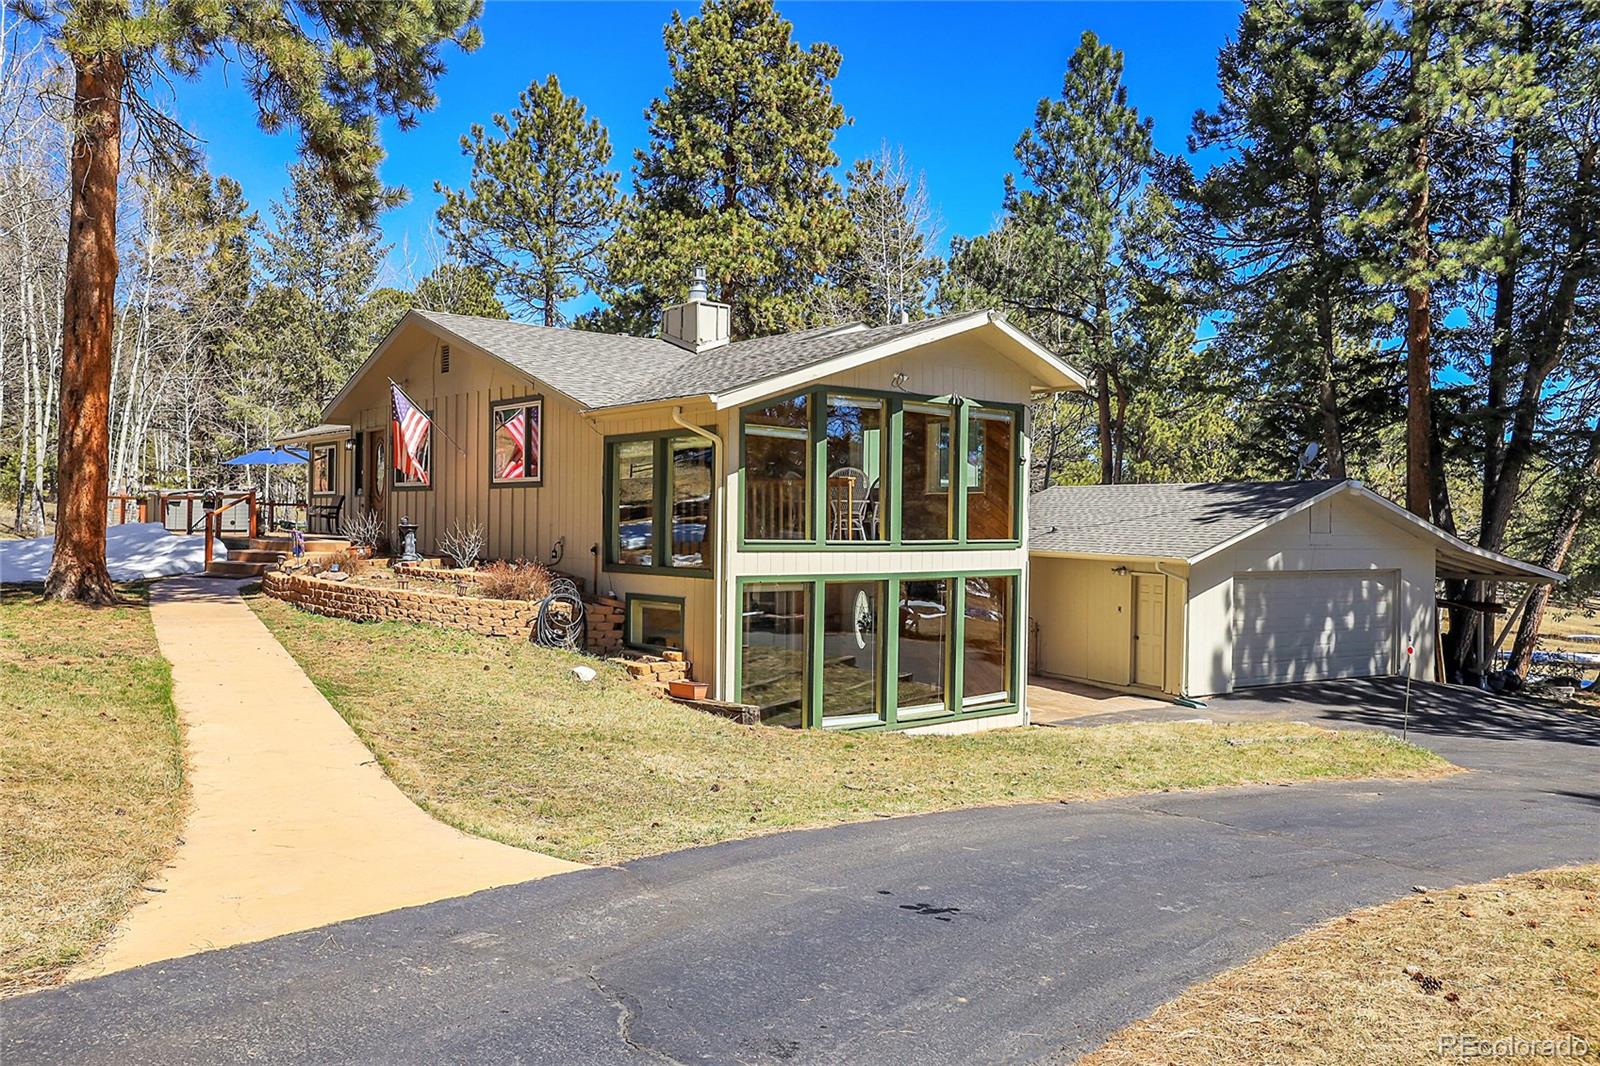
x=325, y=513
x=849, y=499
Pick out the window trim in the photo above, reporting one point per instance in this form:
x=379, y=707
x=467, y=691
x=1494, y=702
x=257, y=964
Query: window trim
x=332, y=468
x=628, y=637
x=663, y=506
x=954, y=709
x=495, y=407
x=394, y=472
x=889, y=493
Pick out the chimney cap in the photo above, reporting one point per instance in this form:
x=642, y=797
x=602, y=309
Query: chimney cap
x=697, y=283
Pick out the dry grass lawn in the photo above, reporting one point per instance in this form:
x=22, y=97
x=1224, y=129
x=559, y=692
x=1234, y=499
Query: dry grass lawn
x=1512, y=959
x=91, y=777
x=495, y=738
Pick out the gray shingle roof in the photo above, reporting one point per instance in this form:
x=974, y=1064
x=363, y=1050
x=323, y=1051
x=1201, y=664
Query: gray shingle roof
x=1168, y=521
x=609, y=369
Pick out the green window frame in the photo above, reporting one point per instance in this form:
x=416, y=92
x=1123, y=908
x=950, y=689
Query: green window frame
x=889, y=524
x=955, y=706
x=530, y=469
x=663, y=508
x=631, y=621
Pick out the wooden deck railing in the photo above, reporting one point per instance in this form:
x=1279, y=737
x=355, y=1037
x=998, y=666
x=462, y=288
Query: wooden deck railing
x=243, y=512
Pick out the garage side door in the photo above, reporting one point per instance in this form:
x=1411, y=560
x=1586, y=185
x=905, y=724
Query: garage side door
x=1312, y=626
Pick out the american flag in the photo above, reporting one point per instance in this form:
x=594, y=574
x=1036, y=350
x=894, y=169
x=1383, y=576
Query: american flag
x=412, y=436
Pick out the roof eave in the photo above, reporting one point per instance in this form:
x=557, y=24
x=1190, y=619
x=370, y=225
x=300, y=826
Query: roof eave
x=955, y=326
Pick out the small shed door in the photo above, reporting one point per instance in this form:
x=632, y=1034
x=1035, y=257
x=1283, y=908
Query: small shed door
x=1150, y=631
x=1313, y=625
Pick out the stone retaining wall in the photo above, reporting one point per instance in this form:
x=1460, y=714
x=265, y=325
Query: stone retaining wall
x=490, y=618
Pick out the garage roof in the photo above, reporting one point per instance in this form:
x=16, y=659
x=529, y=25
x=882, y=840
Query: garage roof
x=1191, y=522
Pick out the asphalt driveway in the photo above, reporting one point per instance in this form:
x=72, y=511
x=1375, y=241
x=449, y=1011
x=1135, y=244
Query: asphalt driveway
x=1005, y=934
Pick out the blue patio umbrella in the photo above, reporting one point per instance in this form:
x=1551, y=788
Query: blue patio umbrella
x=273, y=456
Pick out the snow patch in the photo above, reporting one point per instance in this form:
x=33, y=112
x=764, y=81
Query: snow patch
x=134, y=551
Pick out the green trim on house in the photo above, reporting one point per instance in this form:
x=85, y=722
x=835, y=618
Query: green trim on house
x=888, y=695
x=661, y=519
x=651, y=597
x=889, y=491
x=494, y=408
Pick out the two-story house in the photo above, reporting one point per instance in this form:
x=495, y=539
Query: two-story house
x=830, y=524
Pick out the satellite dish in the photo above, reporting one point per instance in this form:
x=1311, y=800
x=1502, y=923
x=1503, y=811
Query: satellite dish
x=1308, y=455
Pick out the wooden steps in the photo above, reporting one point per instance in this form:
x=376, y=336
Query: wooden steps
x=237, y=568
x=278, y=542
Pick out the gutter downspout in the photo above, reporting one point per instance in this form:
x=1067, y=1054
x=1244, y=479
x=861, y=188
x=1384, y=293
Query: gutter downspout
x=1183, y=672
x=719, y=575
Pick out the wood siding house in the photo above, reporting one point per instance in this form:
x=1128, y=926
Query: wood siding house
x=830, y=524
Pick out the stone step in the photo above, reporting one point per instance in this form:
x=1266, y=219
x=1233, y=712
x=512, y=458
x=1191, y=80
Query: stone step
x=233, y=568
x=254, y=555
x=286, y=544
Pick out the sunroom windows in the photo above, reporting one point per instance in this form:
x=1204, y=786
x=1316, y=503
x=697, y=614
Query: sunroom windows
x=658, y=503
x=854, y=652
x=840, y=467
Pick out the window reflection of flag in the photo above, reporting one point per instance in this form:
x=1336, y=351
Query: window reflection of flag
x=515, y=429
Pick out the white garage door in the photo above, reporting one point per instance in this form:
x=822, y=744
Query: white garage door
x=1313, y=625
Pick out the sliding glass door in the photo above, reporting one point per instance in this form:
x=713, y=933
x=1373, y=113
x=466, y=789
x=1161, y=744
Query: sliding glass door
x=852, y=651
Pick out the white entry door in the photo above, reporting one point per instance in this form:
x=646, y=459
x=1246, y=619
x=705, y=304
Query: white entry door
x=1313, y=625
x=1150, y=631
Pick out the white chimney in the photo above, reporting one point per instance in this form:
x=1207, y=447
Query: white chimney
x=697, y=324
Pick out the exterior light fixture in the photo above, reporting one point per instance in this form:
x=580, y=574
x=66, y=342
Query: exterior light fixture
x=1120, y=571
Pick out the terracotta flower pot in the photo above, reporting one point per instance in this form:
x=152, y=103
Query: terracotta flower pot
x=687, y=690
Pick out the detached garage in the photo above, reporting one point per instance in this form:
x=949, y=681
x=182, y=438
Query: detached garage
x=1193, y=590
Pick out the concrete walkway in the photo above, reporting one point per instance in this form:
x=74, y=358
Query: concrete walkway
x=1056, y=701
x=292, y=823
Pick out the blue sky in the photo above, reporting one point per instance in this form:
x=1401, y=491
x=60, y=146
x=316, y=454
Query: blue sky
x=953, y=83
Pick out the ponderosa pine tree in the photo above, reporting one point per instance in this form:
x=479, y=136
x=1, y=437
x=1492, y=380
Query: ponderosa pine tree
x=737, y=176
x=328, y=69
x=1064, y=253
x=321, y=266
x=1270, y=222
x=540, y=205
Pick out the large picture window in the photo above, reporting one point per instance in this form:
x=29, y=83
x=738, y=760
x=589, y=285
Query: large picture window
x=986, y=640
x=322, y=467
x=777, y=470
x=991, y=460
x=656, y=484
x=874, y=470
x=633, y=503
x=926, y=486
x=518, y=442
x=924, y=632
x=856, y=460
x=774, y=652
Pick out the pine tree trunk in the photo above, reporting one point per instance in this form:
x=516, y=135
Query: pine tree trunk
x=1551, y=331
x=1555, y=555
x=1102, y=400
x=1505, y=293
x=78, y=568
x=1327, y=397
x=1419, y=333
